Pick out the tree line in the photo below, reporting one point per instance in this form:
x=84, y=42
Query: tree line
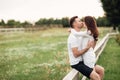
x=111, y=18
x=101, y=21
x=112, y=12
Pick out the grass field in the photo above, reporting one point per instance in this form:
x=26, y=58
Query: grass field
x=110, y=60
x=35, y=55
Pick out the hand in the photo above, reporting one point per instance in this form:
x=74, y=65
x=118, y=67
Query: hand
x=89, y=32
x=69, y=30
x=90, y=44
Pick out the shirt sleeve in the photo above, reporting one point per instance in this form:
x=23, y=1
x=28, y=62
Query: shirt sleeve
x=80, y=34
x=74, y=43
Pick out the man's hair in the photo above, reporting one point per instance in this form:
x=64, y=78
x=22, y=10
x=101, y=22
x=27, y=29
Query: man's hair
x=72, y=20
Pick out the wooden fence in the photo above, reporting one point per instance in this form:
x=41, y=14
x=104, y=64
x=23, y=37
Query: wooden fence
x=74, y=74
x=19, y=29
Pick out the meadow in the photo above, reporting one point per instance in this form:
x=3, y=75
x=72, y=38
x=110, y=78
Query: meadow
x=40, y=55
x=110, y=60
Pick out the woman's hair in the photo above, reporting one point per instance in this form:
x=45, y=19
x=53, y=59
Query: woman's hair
x=91, y=25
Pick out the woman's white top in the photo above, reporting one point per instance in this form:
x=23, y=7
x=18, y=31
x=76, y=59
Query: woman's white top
x=89, y=56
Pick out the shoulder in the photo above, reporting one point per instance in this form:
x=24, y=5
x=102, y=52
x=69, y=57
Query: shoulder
x=72, y=38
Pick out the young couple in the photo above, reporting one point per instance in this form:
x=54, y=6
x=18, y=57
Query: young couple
x=81, y=47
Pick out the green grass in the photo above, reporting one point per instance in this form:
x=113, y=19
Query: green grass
x=35, y=55
x=110, y=60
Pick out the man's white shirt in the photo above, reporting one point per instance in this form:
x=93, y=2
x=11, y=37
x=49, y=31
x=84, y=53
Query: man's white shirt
x=74, y=42
x=80, y=40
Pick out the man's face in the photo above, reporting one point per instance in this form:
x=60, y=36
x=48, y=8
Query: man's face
x=78, y=23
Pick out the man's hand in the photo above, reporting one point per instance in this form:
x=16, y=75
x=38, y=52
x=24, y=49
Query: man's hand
x=78, y=53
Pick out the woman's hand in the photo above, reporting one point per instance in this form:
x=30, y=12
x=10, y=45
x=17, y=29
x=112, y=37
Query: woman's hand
x=89, y=32
x=69, y=30
x=90, y=44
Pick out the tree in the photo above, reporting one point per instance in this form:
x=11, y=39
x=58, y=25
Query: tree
x=57, y=21
x=41, y=21
x=2, y=23
x=18, y=24
x=65, y=22
x=102, y=21
x=11, y=23
x=26, y=24
x=50, y=21
x=112, y=9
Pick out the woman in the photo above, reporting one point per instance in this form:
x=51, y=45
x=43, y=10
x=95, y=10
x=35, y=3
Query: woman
x=91, y=34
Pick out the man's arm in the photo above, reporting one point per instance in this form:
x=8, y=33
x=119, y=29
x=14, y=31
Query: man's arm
x=78, y=53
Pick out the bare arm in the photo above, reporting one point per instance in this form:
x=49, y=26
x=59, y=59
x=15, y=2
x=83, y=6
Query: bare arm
x=78, y=53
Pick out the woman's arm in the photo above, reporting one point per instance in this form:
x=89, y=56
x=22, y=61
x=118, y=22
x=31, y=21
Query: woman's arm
x=80, y=34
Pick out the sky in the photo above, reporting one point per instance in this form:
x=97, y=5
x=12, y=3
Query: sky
x=33, y=10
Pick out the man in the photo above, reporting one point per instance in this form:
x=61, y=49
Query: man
x=75, y=52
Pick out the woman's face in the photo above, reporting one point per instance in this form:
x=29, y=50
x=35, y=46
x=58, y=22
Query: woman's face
x=84, y=25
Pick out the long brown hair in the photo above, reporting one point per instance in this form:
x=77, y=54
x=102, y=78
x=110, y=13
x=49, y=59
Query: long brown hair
x=91, y=25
